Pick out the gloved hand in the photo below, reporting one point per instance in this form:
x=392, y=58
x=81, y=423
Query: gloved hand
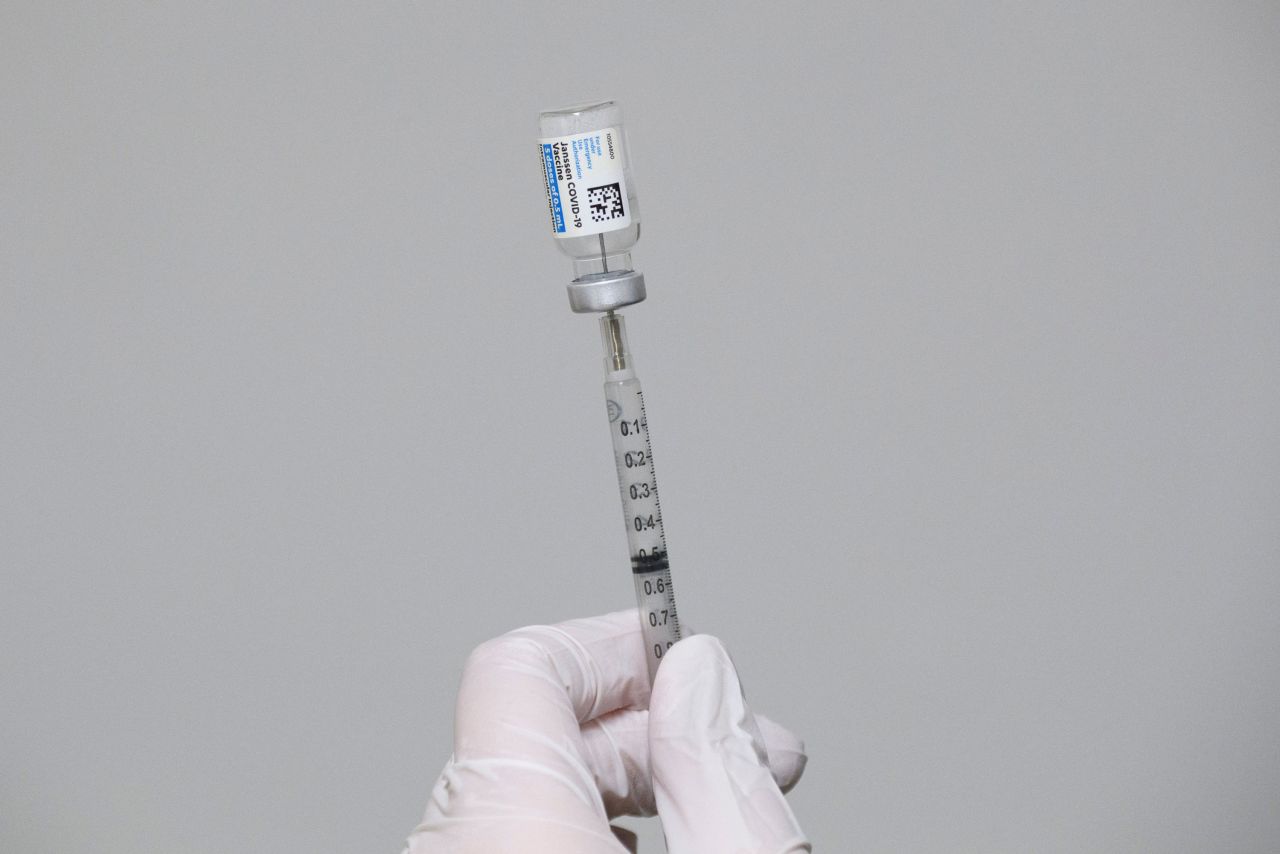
x=556, y=733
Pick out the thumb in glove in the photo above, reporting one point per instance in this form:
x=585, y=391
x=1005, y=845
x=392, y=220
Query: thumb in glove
x=712, y=776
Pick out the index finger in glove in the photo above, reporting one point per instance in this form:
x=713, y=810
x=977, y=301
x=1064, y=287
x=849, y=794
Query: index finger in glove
x=519, y=769
x=550, y=680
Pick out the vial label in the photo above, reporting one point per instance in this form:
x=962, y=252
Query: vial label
x=586, y=191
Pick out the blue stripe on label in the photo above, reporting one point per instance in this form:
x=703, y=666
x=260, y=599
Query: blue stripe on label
x=553, y=188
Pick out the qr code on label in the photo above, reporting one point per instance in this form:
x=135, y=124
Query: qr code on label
x=605, y=202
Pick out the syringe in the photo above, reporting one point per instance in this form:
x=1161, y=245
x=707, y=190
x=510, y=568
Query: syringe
x=591, y=200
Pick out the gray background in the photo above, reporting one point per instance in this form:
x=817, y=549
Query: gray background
x=961, y=355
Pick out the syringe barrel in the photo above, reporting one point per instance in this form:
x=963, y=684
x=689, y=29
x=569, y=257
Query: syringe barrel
x=641, y=509
x=591, y=197
x=642, y=515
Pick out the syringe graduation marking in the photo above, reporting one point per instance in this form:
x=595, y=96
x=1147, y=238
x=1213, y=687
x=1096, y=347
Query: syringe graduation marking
x=648, y=446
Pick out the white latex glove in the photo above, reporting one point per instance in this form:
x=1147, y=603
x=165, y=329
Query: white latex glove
x=555, y=734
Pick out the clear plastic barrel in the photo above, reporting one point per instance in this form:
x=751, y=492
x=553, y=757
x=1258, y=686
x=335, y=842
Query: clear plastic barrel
x=641, y=509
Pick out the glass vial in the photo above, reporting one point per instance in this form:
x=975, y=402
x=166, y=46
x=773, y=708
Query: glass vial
x=591, y=200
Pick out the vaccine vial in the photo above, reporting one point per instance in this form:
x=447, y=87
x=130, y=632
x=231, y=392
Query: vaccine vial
x=591, y=200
